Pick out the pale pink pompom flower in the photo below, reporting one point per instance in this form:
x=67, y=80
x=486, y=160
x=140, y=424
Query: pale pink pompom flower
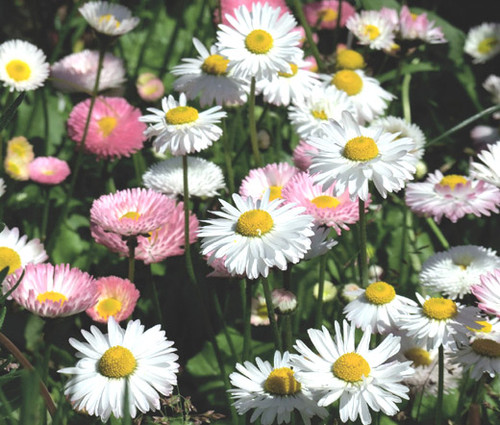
x=114, y=130
x=413, y=27
x=53, y=291
x=302, y=155
x=48, y=170
x=313, y=65
x=324, y=14
x=488, y=292
x=117, y=298
x=228, y=6
x=150, y=87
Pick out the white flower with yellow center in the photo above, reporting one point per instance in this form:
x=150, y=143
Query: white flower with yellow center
x=352, y=156
x=378, y=307
x=440, y=321
x=360, y=377
x=273, y=391
x=492, y=85
x=108, y=18
x=489, y=167
x=23, y=66
x=483, y=42
x=310, y=117
x=259, y=43
x=257, y=235
x=207, y=76
x=182, y=129
x=145, y=360
x=372, y=29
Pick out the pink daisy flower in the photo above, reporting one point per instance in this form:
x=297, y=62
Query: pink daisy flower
x=150, y=87
x=272, y=176
x=114, y=130
x=228, y=6
x=48, y=170
x=116, y=298
x=488, y=292
x=313, y=65
x=452, y=196
x=324, y=14
x=131, y=212
x=326, y=209
x=302, y=155
x=53, y=291
x=418, y=27
x=219, y=267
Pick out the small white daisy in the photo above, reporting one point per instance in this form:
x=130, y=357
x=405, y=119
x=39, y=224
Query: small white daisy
x=489, y=170
x=207, y=76
x=360, y=377
x=205, y=178
x=454, y=272
x=492, y=85
x=373, y=29
x=259, y=43
x=310, y=117
x=378, y=307
x=143, y=359
x=321, y=242
x=352, y=156
x=439, y=321
x=23, y=66
x=273, y=391
x=257, y=235
x=182, y=129
x=488, y=292
x=483, y=42
x=108, y=18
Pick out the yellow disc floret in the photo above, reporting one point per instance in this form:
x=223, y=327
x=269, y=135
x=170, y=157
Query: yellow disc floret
x=361, y=149
x=282, y=382
x=486, y=347
x=294, y=69
x=107, y=18
x=117, y=362
x=56, y=297
x=319, y=114
x=131, y=215
x=181, y=115
x=351, y=367
x=215, y=65
x=418, y=356
x=328, y=15
x=487, y=45
x=275, y=192
x=350, y=59
x=106, y=125
x=380, y=293
x=18, y=70
x=9, y=258
x=371, y=31
x=108, y=307
x=259, y=42
x=325, y=201
x=254, y=223
x=440, y=308
x=452, y=180
x=348, y=81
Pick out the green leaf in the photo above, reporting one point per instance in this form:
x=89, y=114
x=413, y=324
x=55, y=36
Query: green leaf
x=379, y=4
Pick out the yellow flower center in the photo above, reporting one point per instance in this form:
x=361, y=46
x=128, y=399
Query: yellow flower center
x=325, y=201
x=262, y=312
x=486, y=347
x=452, y=180
x=439, y=308
x=418, y=356
x=16, y=169
x=181, y=115
x=328, y=15
x=259, y=42
x=414, y=16
x=348, y=81
x=371, y=31
x=131, y=215
x=20, y=147
x=380, y=293
x=319, y=114
x=351, y=367
x=107, y=18
x=294, y=67
x=254, y=223
x=282, y=382
x=18, y=70
x=350, y=59
x=107, y=125
x=361, y=149
x=57, y=297
x=108, y=307
x=117, y=362
x=215, y=65
x=48, y=172
x=487, y=45
x=9, y=258
x=486, y=327
x=275, y=192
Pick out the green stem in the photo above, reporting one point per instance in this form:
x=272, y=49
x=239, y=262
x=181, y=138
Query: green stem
x=437, y=231
x=253, y=125
x=156, y=301
x=220, y=316
x=321, y=289
x=187, y=246
x=405, y=97
x=287, y=324
x=46, y=138
x=439, y=402
x=270, y=312
x=363, y=259
x=227, y=156
x=132, y=244
x=45, y=214
x=246, y=296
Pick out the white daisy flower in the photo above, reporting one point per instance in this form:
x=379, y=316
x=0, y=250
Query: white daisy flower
x=257, y=235
x=285, y=88
x=310, y=117
x=352, y=156
x=143, y=359
x=273, y=391
x=483, y=42
x=372, y=29
x=23, y=66
x=205, y=178
x=378, y=307
x=488, y=292
x=259, y=43
x=359, y=377
x=492, y=85
x=108, y=18
x=207, y=76
x=321, y=242
x=369, y=98
x=182, y=129
x=489, y=170
x=454, y=272
x=439, y=321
